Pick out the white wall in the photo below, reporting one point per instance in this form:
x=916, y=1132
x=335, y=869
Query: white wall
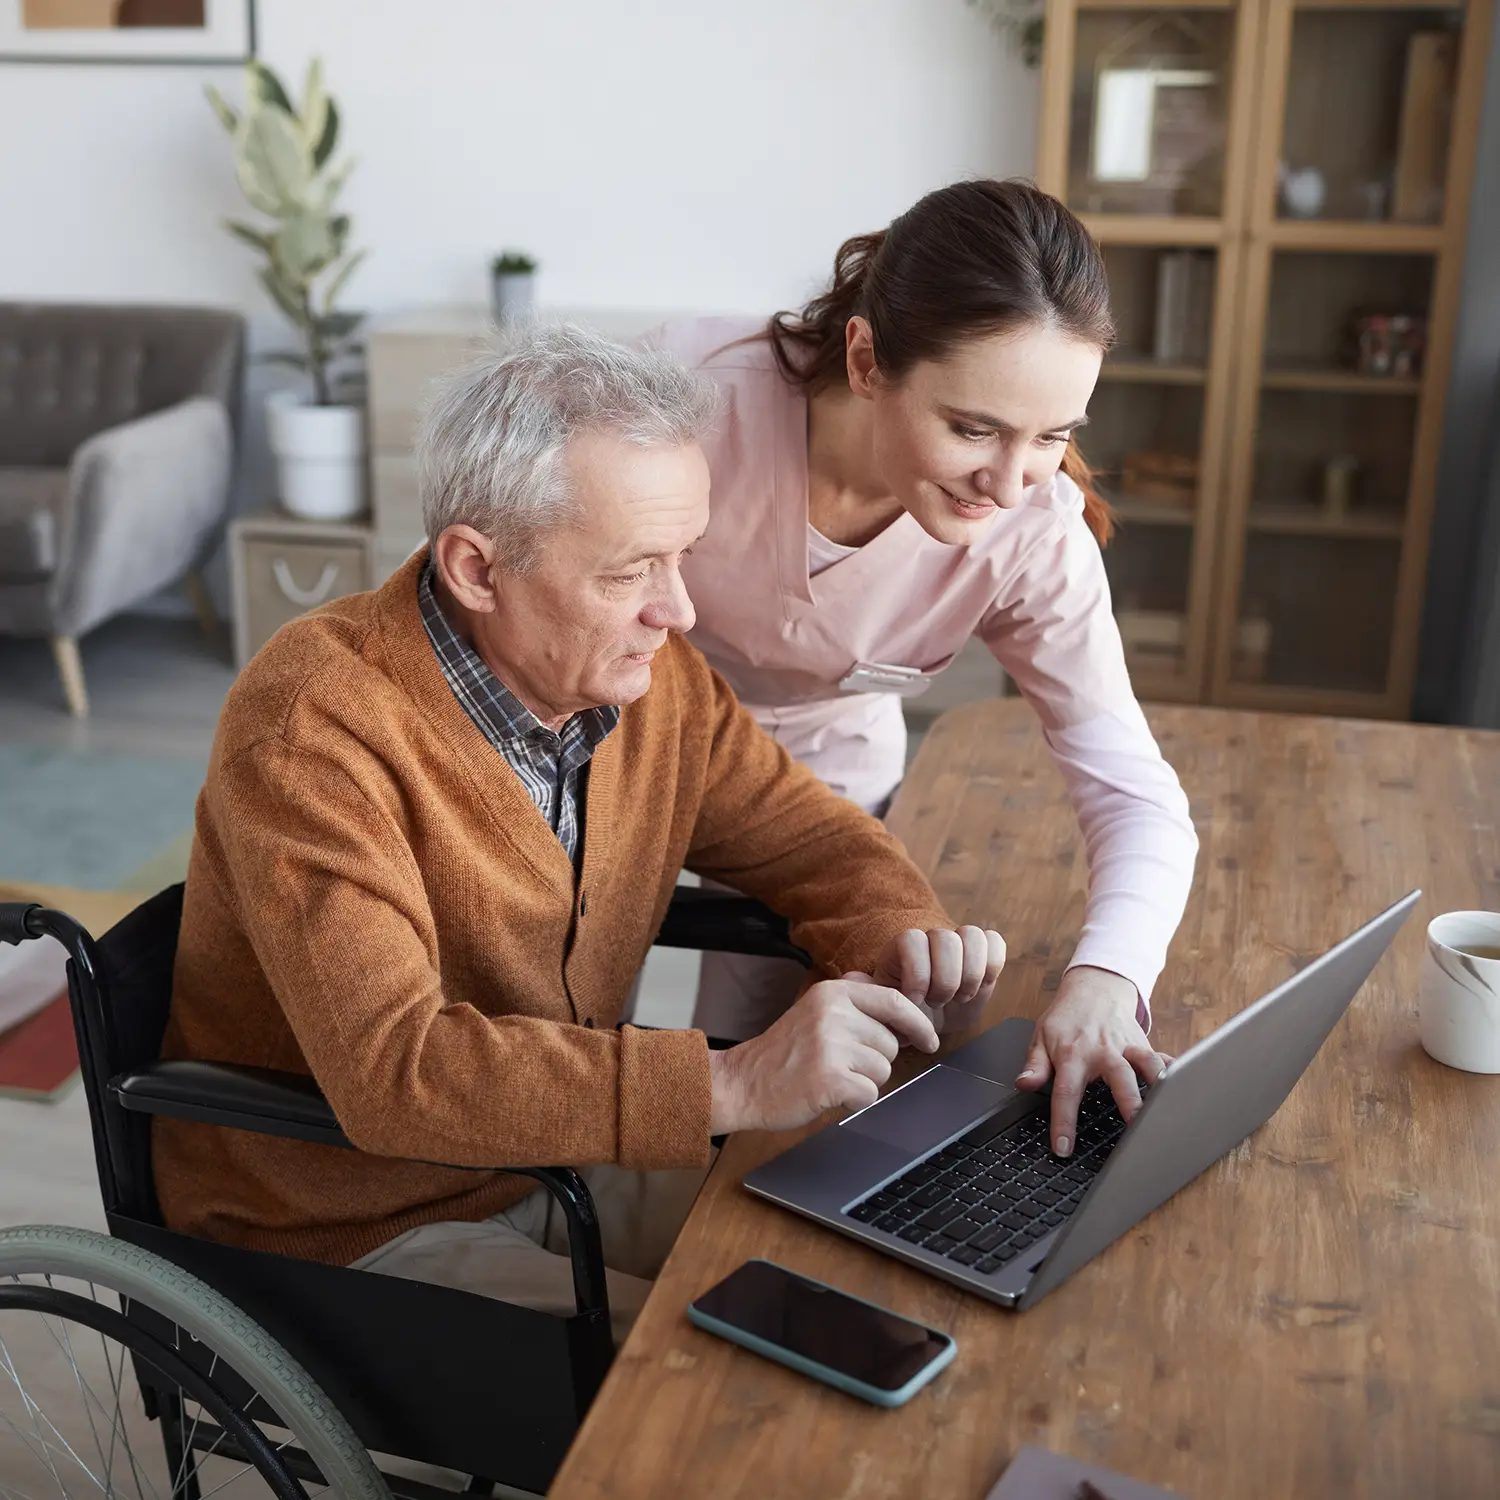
x=682, y=153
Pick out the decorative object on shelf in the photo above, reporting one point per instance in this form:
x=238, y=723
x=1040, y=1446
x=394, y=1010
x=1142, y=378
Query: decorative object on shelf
x=1303, y=191
x=284, y=161
x=1374, y=197
x=1184, y=307
x=1157, y=117
x=1160, y=478
x=1340, y=474
x=1153, y=639
x=197, y=32
x=1390, y=344
x=1023, y=23
x=512, y=286
x=1252, y=648
x=1426, y=120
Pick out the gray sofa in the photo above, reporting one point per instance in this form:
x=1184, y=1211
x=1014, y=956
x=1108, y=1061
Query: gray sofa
x=116, y=452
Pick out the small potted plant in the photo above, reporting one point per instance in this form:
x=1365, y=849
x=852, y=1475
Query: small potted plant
x=284, y=162
x=512, y=285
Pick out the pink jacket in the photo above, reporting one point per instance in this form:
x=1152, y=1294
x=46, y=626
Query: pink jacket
x=1033, y=588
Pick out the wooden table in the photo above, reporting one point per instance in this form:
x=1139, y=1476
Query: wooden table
x=1316, y=1316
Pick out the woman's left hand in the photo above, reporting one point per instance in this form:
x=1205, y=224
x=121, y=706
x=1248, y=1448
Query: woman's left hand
x=1089, y=1031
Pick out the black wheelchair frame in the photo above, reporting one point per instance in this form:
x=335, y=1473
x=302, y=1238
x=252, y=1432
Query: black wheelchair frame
x=421, y=1372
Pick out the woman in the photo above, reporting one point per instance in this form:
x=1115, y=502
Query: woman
x=896, y=472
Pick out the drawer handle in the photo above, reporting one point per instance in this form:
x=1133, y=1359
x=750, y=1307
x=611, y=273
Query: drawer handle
x=306, y=598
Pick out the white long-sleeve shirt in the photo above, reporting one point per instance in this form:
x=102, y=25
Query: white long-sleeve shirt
x=788, y=618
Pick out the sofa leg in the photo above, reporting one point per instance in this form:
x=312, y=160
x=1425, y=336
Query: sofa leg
x=70, y=669
x=203, y=605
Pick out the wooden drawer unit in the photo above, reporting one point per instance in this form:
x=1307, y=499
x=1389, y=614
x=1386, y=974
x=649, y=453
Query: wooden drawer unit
x=281, y=567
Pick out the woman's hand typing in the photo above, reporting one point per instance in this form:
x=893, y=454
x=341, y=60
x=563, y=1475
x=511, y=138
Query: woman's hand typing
x=1089, y=1031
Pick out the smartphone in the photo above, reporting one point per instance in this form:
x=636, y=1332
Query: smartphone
x=820, y=1331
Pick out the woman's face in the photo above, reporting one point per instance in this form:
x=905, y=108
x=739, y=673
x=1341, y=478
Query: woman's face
x=959, y=438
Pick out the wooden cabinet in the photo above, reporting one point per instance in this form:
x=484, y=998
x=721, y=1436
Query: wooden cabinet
x=1281, y=193
x=281, y=567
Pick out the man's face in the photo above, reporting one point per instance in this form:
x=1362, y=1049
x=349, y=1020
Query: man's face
x=580, y=628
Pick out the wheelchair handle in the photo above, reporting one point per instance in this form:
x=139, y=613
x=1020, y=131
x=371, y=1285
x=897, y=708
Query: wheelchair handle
x=20, y=921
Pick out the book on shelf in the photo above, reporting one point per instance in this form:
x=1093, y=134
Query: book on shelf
x=1184, y=307
x=1422, y=138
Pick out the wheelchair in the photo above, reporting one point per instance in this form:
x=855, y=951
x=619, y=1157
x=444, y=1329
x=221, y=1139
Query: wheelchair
x=260, y=1372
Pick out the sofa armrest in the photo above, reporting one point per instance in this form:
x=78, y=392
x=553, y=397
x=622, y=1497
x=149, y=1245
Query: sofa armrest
x=143, y=499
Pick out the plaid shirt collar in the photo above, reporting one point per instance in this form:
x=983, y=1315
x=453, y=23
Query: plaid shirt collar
x=529, y=747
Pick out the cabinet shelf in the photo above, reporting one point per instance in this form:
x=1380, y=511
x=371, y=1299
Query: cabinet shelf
x=1148, y=371
x=1144, y=513
x=1154, y=229
x=1330, y=378
x=1307, y=520
x=1378, y=236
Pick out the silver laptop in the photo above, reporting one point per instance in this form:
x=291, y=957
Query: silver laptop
x=953, y=1171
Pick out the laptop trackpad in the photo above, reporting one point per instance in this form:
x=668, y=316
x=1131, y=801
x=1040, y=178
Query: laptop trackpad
x=930, y=1108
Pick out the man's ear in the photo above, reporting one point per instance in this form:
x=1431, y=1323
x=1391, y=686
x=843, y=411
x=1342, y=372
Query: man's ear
x=465, y=561
x=859, y=357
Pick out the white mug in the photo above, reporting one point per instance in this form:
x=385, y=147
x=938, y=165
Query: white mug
x=1460, y=1015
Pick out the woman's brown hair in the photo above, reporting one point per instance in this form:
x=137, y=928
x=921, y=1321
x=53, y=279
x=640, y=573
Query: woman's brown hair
x=966, y=261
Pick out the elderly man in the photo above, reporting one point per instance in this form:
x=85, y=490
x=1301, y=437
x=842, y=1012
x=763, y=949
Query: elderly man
x=441, y=826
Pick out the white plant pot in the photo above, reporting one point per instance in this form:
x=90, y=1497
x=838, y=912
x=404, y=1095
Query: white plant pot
x=320, y=453
x=512, y=295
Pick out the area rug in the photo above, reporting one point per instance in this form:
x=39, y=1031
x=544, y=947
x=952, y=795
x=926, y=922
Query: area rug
x=38, y=1058
x=90, y=819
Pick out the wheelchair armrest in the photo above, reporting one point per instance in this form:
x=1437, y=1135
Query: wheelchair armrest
x=269, y=1102
x=243, y=1098
x=720, y=922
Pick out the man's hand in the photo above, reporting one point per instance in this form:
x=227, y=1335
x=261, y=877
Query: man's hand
x=952, y=973
x=832, y=1050
x=1090, y=1031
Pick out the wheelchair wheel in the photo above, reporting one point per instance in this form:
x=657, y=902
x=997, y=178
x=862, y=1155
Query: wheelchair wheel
x=81, y=1315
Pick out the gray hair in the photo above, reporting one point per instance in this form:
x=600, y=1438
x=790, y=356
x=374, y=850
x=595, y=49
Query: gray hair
x=492, y=443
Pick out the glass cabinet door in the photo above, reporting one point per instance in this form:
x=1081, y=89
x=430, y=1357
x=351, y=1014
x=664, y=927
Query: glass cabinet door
x=1369, y=104
x=1148, y=441
x=1149, y=118
x=1335, y=429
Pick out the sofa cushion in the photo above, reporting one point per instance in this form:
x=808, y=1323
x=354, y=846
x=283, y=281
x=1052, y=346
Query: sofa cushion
x=68, y=371
x=31, y=502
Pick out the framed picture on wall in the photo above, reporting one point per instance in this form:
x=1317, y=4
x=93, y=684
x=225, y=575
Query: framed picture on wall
x=116, y=31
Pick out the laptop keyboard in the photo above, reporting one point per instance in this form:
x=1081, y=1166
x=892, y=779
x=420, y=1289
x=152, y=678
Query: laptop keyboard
x=986, y=1197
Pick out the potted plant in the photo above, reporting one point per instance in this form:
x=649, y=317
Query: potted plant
x=512, y=285
x=284, y=162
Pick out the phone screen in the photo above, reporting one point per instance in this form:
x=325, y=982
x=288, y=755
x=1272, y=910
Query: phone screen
x=866, y=1343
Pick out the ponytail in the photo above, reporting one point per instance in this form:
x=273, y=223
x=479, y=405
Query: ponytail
x=1097, y=515
x=809, y=346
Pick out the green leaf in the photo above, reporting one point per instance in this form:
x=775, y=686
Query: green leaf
x=329, y=136
x=281, y=357
x=315, y=102
x=227, y=116
x=333, y=184
x=341, y=279
x=305, y=246
x=275, y=166
x=262, y=242
x=266, y=87
x=283, y=296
